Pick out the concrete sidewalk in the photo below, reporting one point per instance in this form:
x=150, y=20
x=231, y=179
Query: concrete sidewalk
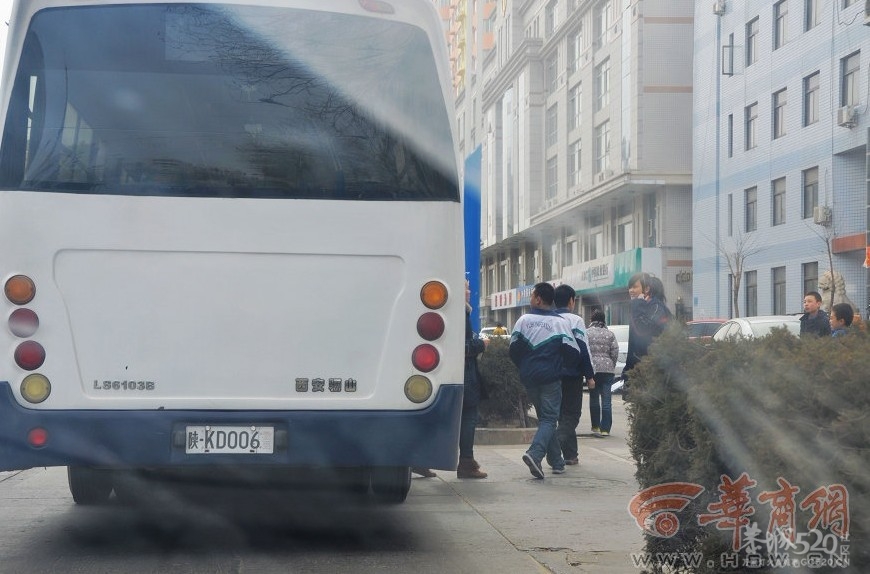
x=569, y=523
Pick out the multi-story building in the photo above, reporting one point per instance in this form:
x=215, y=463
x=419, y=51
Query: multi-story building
x=780, y=158
x=580, y=113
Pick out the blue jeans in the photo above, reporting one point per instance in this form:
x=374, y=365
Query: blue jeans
x=547, y=399
x=600, y=408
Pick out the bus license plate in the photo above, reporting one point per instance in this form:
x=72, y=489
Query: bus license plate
x=208, y=439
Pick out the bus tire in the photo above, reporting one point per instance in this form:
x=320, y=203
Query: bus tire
x=89, y=486
x=390, y=484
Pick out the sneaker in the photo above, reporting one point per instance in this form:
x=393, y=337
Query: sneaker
x=559, y=470
x=605, y=433
x=596, y=430
x=572, y=461
x=534, y=467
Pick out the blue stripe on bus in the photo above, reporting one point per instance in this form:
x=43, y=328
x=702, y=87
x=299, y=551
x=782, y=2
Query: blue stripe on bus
x=140, y=438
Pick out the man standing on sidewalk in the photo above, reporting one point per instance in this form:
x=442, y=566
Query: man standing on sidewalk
x=543, y=347
x=572, y=380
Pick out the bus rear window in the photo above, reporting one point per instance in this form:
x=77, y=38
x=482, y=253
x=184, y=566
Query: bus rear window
x=227, y=101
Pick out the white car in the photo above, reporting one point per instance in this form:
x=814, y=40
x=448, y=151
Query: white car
x=621, y=332
x=486, y=333
x=756, y=327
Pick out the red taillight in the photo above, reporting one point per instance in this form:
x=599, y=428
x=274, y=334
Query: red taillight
x=425, y=358
x=430, y=326
x=29, y=355
x=23, y=323
x=20, y=289
x=37, y=437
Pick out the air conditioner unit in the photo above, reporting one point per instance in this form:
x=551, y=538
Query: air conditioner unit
x=846, y=117
x=822, y=214
x=719, y=8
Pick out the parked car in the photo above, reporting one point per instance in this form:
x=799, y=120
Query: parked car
x=621, y=332
x=486, y=333
x=756, y=327
x=702, y=330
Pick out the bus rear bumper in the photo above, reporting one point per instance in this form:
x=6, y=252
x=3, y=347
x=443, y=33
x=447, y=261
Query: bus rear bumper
x=155, y=438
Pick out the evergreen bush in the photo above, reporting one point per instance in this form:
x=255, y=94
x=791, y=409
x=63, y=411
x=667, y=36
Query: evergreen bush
x=777, y=408
x=506, y=404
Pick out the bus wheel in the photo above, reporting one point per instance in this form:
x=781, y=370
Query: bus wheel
x=89, y=485
x=390, y=484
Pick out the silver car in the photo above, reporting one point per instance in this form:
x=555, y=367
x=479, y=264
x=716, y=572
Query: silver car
x=756, y=327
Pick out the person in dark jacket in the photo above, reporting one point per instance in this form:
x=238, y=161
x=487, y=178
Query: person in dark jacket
x=543, y=347
x=841, y=319
x=814, y=321
x=649, y=317
x=474, y=391
x=572, y=381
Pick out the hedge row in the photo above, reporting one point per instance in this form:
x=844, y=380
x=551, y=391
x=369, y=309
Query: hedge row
x=772, y=410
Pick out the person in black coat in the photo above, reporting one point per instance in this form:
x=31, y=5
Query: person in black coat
x=815, y=321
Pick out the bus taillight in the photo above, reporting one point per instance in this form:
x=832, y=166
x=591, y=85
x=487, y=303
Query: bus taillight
x=430, y=326
x=434, y=294
x=29, y=355
x=20, y=289
x=23, y=323
x=425, y=358
x=37, y=437
x=35, y=388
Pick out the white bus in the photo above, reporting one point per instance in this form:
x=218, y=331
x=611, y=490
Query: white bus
x=230, y=236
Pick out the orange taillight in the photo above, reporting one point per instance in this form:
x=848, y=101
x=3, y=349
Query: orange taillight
x=434, y=294
x=20, y=289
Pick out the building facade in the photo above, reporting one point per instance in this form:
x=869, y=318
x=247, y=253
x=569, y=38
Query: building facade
x=581, y=113
x=780, y=172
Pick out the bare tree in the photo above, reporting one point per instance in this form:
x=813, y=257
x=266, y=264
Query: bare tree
x=825, y=232
x=736, y=250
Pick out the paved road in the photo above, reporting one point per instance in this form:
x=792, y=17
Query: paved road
x=509, y=523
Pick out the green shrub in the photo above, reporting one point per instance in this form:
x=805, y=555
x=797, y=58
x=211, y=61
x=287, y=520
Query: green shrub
x=778, y=407
x=506, y=404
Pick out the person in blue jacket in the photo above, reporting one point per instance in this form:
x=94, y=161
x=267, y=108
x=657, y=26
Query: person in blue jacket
x=543, y=347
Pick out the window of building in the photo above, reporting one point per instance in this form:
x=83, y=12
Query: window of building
x=602, y=147
x=751, y=207
x=602, y=84
x=811, y=99
x=574, y=164
x=849, y=67
x=778, y=282
x=730, y=214
x=778, y=203
x=752, y=41
x=624, y=235
x=780, y=98
x=552, y=125
x=810, y=179
x=811, y=14
x=602, y=22
x=575, y=50
x=550, y=19
x=552, y=73
x=751, y=124
x=780, y=23
x=575, y=106
x=750, y=280
x=810, y=273
x=847, y=3
x=552, y=177
x=730, y=135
